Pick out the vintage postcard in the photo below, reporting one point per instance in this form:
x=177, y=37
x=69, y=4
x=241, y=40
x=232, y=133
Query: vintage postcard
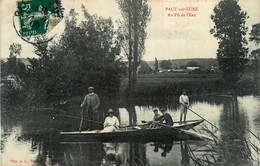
x=130, y=82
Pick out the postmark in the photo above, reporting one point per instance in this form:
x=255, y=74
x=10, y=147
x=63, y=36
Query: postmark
x=38, y=17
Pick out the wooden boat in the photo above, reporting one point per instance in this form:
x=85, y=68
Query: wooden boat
x=136, y=133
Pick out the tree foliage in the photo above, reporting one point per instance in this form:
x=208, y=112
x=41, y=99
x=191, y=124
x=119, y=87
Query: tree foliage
x=166, y=64
x=136, y=15
x=193, y=64
x=230, y=31
x=15, y=50
x=255, y=54
x=255, y=37
x=87, y=54
x=255, y=34
x=156, y=64
x=145, y=68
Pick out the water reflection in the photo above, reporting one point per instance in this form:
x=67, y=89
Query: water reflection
x=184, y=153
x=165, y=146
x=16, y=150
x=34, y=138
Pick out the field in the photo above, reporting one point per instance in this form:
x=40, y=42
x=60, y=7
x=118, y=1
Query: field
x=162, y=78
x=167, y=84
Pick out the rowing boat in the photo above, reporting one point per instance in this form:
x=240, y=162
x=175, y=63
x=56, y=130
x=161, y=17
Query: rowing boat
x=135, y=133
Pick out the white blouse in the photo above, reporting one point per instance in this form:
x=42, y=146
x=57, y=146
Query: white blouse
x=184, y=99
x=111, y=122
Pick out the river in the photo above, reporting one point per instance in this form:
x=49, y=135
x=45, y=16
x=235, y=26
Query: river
x=31, y=138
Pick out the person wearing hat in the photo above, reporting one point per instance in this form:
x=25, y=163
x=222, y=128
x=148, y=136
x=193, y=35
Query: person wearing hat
x=156, y=114
x=111, y=122
x=165, y=117
x=90, y=104
x=184, y=100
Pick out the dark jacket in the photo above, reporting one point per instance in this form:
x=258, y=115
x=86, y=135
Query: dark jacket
x=167, y=118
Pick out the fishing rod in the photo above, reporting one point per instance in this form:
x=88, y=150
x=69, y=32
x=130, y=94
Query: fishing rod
x=80, y=118
x=81, y=122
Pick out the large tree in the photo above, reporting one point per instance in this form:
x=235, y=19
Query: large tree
x=15, y=50
x=255, y=34
x=86, y=54
x=136, y=15
x=255, y=54
x=156, y=66
x=230, y=31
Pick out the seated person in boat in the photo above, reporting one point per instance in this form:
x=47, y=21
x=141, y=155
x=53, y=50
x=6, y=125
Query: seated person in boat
x=111, y=122
x=156, y=114
x=165, y=117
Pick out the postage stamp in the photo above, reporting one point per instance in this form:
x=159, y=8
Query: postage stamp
x=38, y=17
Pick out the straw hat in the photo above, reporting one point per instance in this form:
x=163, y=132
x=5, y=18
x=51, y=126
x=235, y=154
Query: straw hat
x=91, y=88
x=110, y=111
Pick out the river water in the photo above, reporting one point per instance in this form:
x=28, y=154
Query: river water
x=31, y=138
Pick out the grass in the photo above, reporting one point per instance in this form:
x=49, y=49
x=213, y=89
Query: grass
x=167, y=84
x=157, y=79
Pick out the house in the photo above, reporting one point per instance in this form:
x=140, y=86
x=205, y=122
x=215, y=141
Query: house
x=192, y=68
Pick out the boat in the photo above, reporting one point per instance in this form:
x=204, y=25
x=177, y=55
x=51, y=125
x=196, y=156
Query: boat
x=137, y=133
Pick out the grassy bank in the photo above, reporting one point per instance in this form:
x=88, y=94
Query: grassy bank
x=169, y=84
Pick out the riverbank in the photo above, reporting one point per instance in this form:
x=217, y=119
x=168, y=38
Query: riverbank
x=169, y=84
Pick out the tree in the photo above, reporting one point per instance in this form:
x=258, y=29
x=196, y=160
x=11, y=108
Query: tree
x=4, y=69
x=136, y=15
x=255, y=54
x=230, y=30
x=145, y=68
x=255, y=34
x=15, y=50
x=192, y=64
x=156, y=64
x=87, y=54
x=166, y=64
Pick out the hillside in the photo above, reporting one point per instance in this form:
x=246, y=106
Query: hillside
x=177, y=63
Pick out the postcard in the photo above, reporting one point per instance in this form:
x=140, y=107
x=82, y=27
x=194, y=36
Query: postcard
x=130, y=82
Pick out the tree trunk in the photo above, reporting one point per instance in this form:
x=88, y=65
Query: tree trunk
x=135, y=63
x=130, y=68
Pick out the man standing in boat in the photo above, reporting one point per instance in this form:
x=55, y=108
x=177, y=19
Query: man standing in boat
x=184, y=100
x=90, y=106
x=165, y=117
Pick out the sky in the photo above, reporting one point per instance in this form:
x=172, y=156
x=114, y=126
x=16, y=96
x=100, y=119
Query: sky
x=167, y=37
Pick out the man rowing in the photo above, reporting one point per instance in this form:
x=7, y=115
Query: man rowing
x=165, y=117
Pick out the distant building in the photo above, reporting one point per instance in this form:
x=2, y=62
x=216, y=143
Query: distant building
x=178, y=70
x=192, y=68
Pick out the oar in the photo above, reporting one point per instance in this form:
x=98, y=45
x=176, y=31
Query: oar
x=185, y=131
x=143, y=121
x=201, y=116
